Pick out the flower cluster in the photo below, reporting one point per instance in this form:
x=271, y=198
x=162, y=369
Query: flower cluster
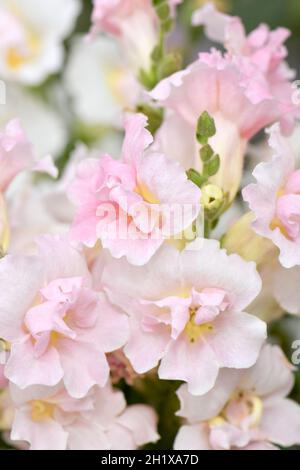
x=134, y=264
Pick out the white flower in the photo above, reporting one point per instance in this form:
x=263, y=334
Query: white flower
x=31, y=37
x=43, y=124
x=99, y=82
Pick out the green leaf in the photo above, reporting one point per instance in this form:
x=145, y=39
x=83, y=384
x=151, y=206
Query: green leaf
x=205, y=128
x=196, y=178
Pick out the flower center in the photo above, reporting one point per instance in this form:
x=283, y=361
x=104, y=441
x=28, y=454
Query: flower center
x=41, y=410
x=27, y=43
x=194, y=331
x=146, y=194
x=243, y=410
x=205, y=307
x=115, y=78
x=4, y=345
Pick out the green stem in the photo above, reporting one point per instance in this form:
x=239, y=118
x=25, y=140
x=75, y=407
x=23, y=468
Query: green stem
x=207, y=228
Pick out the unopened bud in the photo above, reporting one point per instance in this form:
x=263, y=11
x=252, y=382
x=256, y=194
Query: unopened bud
x=212, y=197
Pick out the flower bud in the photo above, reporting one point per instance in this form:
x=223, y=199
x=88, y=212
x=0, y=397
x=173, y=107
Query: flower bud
x=212, y=198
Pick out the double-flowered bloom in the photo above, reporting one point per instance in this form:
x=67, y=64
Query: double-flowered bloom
x=48, y=418
x=57, y=326
x=134, y=204
x=275, y=200
x=186, y=311
x=245, y=410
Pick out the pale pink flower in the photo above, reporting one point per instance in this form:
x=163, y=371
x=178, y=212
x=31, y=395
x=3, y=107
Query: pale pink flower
x=245, y=409
x=186, y=310
x=260, y=56
x=110, y=15
x=58, y=326
x=243, y=90
x=275, y=200
x=49, y=419
x=16, y=155
x=132, y=205
x=264, y=48
x=128, y=20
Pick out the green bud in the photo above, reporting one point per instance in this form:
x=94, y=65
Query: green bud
x=212, y=166
x=206, y=152
x=205, y=128
x=163, y=11
x=212, y=199
x=148, y=79
x=195, y=177
x=157, y=53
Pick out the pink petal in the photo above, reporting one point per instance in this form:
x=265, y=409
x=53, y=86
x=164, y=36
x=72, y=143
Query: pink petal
x=137, y=137
x=26, y=273
x=194, y=363
x=192, y=437
x=209, y=405
x=143, y=349
x=111, y=331
x=83, y=366
x=23, y=368
x=281, y=422
x=237, y=339
x=42, y=435
x=141, y=420
x=278, y=382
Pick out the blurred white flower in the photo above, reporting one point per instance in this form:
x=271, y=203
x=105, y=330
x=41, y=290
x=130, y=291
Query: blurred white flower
x=44, y=126
x=43, y=207
x=31, y=37
x=30, y=214
x=99, y=82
